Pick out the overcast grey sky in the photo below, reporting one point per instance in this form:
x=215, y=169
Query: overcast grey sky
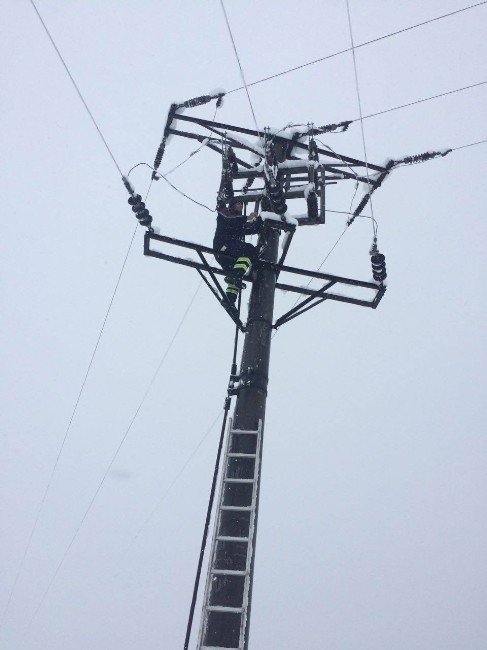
x=372, y=528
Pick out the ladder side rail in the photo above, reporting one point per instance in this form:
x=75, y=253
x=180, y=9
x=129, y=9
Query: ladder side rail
x=216, y=526
x=250, y=548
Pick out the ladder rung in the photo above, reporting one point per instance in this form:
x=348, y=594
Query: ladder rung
x=239, y=480
x=220, y=608
x=242, y=508
x=244, y=431
x=234, y=454
x=228, y=572
x=227, y=538
x=214, y=647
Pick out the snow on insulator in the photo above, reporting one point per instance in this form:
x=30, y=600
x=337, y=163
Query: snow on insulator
x=273, y=216
x=423, y=157
x=275, y=193
x=340, y=127
x=248, y=184
x=309, y=188
x=203, y=99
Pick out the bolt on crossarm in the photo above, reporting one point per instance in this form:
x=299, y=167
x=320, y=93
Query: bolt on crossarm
x=227, y=600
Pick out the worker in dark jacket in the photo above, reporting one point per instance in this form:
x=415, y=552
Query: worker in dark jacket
x=232, y=252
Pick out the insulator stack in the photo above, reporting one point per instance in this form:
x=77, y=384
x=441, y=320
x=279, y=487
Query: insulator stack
x=203, y=99
x=313, y=150
x=162, y=146
x=266, y=204
x=312, y=201
x=232, y=161
x=248, y=184
x=327, y=128
x=275, y=193
x=141, y=212
x=378, y=267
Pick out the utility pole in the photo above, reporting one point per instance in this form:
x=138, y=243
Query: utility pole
x=227, y=601
x=292, y=166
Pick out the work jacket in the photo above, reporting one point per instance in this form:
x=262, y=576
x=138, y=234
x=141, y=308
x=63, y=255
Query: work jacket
x=231, y=225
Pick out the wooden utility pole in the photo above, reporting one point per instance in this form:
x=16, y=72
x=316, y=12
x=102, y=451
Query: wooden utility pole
x=227, y=602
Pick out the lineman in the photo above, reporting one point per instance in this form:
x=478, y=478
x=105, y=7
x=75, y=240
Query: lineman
x=232, y=252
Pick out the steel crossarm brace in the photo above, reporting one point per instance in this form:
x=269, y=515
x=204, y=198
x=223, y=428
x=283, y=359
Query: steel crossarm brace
x=208, y=268
x=331, y=296
x=380, y=290
x=325, y=276
x=179, y=260
x=244, y=173
x=236, y=144
x=356, y=162
x=212, y=275
x=228, y=127
x=237, y=321
x=298, y=309
x=210, y=145
x=207, y=124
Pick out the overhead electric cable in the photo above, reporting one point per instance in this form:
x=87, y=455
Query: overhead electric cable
x=76, y=87
x=162, y=498
x=364, y=44
x=357, y=88
x=472, y=144
x=66, y=433
x=183, y=194
x=240, y=65
x=419, y=101
x=114, y=456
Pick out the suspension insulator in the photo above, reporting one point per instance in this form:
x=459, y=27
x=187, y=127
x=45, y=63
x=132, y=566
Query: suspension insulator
x=140, y=211
x=140, y=207
x=312, y=201
x=378, y=267
x=248, y=184
x=276, y=196
x=144, y=218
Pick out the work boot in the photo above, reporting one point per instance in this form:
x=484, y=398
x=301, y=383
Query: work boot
x=232, y=292
x=232, y=279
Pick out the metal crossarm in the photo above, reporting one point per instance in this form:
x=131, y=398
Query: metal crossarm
x=212, y=126
x=226, y=598
x=300, y=308
x=202, y=265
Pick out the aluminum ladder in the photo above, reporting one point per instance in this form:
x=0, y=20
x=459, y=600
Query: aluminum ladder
x=226, y=598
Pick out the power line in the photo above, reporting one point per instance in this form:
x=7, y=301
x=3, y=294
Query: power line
x=102, y=481
x=364, y=44
x=357, y=88
x=76, y=87
x=419, y=101
x=68, y=428
x=472, y=144
x=240, y=65
x=171, y=485
x=183, y=194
